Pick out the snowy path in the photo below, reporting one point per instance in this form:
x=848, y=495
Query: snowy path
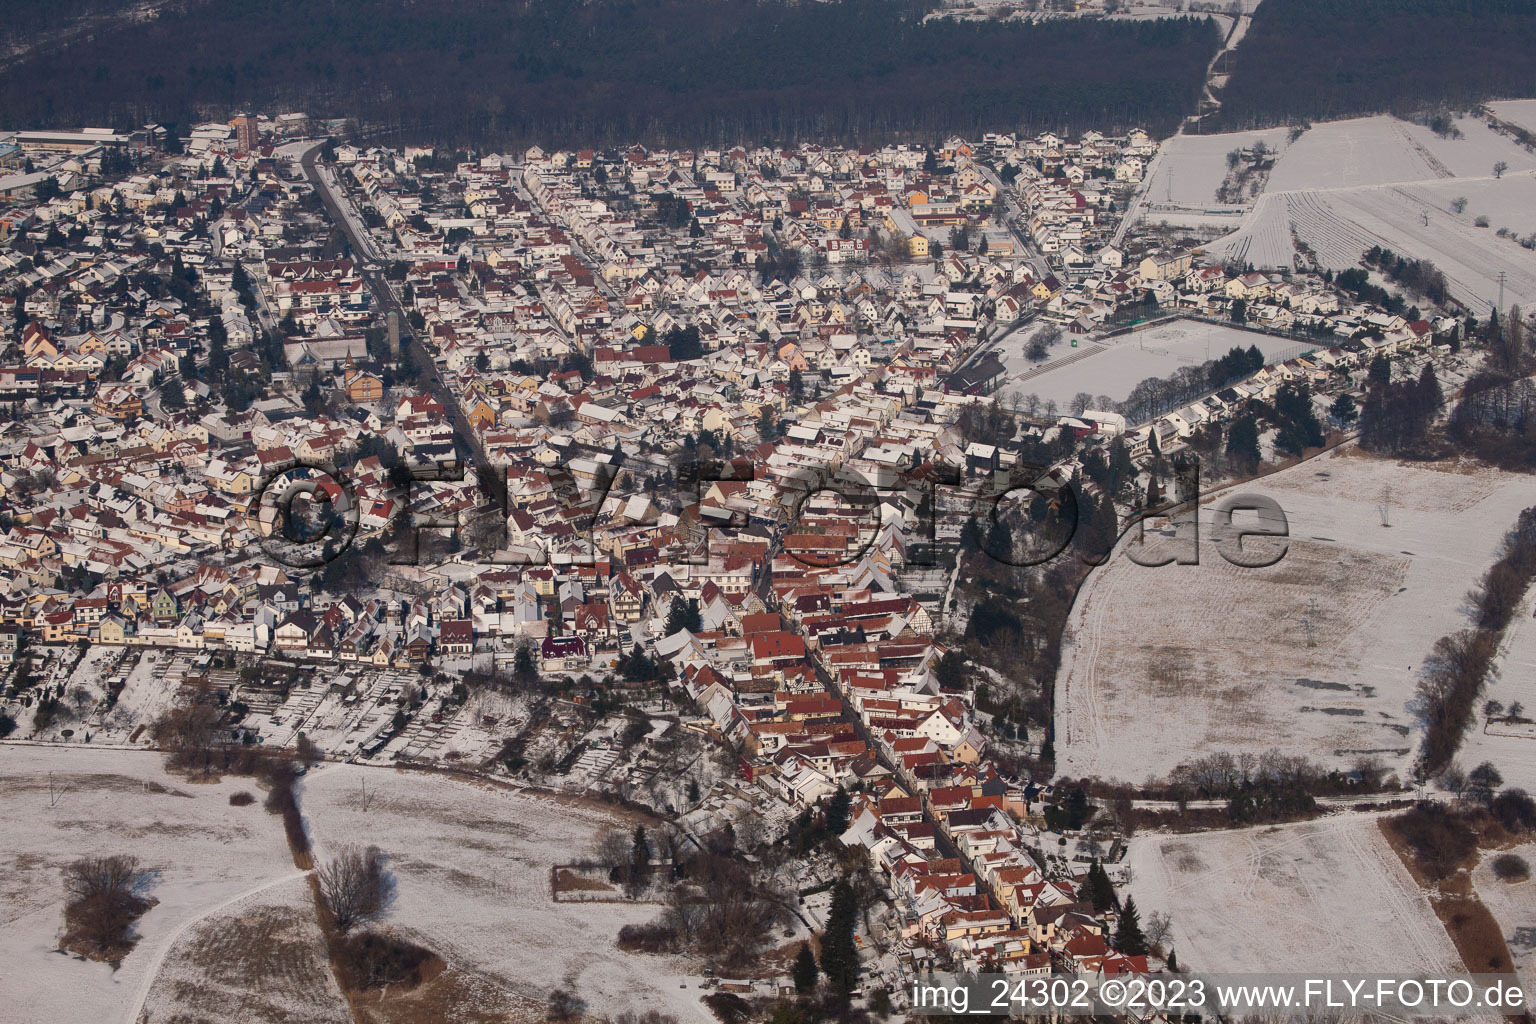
x=152, y=971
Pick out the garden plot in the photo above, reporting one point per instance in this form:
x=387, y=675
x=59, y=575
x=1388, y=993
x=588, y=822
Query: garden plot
x=1514, y=907
x=1510, y=746
x=208, y=857
x=1116, y=366
x=1317, y=655
x=472, y=867
x=1319, y=896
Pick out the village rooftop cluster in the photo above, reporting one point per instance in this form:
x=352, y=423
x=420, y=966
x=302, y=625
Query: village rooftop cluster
x=555, y=335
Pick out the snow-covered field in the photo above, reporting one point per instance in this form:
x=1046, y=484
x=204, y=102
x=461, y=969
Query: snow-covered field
x=233, y=935
x=261, y=960
x=1116, y=366
x=1518, y=112
x=1316, y=655
x=1511, y=748
x=1414, y=220
x=1321, y=896
x=1344, y=186
x=1382, y=150
x=471, y=864
x=1188, y=169
x=1514, y=907
x=208, y=856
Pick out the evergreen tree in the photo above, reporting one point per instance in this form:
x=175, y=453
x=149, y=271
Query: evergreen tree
x=1429, y=397
x=837, y=812
x=640, y=850
x=1128, y=937
x=172, y=398
x=523, y=668
x=1121, y=469
x=1101, y=891
x=1243, y=443
x=839, y=955
x=677, y=617
x=1173, y=960
x=805, y=971
x=1379, y=373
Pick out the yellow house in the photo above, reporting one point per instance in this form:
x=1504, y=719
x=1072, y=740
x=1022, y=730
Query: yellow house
x=111, y=631
x=481, y=415
x=1042, y=291
x=917, y=246
x=364, y=387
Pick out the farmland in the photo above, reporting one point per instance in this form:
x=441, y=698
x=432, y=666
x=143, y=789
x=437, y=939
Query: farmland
x=1320, y=896
x=1342, y=187
x=1510, y=746
x=57, y=804
x=233, y=934
x=1415, y=220
x=472, y=866
x=1114, y=366
x=1513, y=905
x=1384, y=150
x=1316, y=655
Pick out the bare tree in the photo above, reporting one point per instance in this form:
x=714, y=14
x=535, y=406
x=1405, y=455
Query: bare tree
x=191, y=734
x=565, y=1005
x=355, y=887
x=1454, y=779
x=104, y=899
x=1157, y=928
x=613, y=848
x=1499, y=168
x=91, y=877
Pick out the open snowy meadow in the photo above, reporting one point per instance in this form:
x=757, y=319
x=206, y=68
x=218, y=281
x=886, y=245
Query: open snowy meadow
x=1510, y=746
x=1317, y=655
x=1323, y=896
x=1114, y=366
x=471, y=863
x=57, y=805
x=1343, y=186
x=233, y=934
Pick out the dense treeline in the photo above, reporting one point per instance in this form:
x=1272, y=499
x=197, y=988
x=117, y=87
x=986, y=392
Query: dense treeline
x=1460, y=663
x=1155, y=396
x=485, y=72
x=1495, y=418
x=1397, y=415
x=1419, y=276
x=1318, y=59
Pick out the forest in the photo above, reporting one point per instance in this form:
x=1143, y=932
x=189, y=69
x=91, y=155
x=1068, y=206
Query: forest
x=665, y=72
x=1305, y=60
